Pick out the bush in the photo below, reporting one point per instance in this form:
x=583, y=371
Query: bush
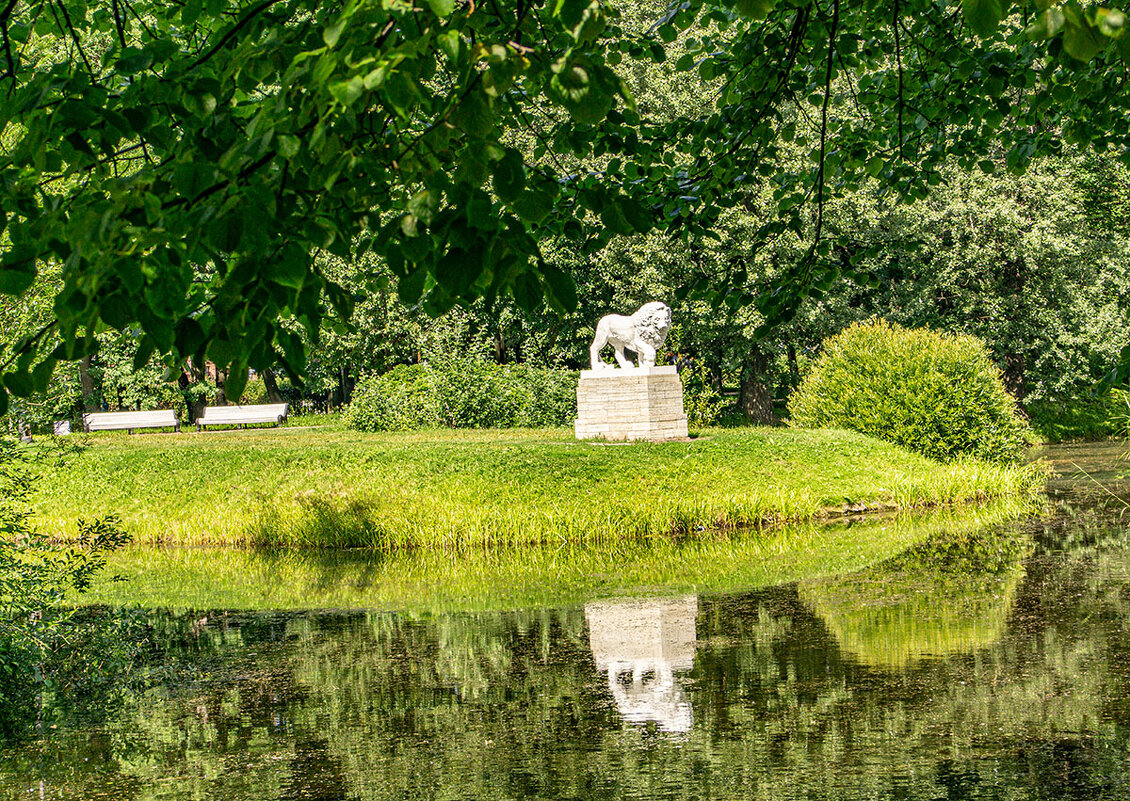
x=934, y=393
x=400, y=400
x=37, y=576
x=254, y=392
x=702, y=403
x=462, y=392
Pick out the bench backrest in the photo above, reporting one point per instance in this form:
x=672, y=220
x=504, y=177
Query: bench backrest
x=230, y=415
x=115, y=421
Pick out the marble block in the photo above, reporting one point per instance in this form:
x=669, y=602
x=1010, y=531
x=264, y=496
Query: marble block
x=630, y=403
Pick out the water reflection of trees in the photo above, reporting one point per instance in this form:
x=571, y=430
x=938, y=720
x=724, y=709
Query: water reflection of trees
x=515, y=705
x=950, y=596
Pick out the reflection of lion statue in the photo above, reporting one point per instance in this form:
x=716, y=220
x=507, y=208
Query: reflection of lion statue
x=642, y=333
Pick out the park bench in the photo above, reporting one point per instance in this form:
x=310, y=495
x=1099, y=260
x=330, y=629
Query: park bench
x=242, y=415
x=117, y=421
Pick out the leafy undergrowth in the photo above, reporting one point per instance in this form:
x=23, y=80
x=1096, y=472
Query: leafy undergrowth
x=334, y=489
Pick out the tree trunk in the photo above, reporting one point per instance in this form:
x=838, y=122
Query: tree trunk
x=499, y=347
x=1015, y=367
x=794, y=368
x=1016, y=364
x=86, y=381
x=273, y=394
x=755, y=397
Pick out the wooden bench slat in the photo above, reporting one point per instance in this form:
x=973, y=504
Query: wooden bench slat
x=241, y=415
x=118, y=421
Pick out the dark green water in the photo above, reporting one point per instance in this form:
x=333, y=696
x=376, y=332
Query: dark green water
x=985, y=665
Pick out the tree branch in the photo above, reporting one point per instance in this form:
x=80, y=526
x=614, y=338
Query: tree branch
x=824, y=122
x=231, y=33
x=74, y=38
x=118, y=23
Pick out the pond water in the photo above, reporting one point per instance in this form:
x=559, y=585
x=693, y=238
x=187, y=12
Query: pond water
x=955, y=657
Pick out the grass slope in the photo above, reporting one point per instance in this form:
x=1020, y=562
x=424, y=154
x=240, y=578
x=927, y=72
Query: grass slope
x=324, y=487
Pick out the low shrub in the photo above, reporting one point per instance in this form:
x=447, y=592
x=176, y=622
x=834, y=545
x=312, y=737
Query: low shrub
x=462, y=393
x=935, y=393
x=400, y=400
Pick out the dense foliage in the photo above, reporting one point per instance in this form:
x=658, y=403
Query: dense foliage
x=37, y=645
x=178, y=167
x=462, y=392
x=937, y=394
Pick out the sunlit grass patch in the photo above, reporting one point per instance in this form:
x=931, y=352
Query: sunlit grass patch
x=334, y=488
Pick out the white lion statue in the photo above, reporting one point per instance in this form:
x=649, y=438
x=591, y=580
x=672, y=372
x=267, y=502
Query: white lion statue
x=643, y=333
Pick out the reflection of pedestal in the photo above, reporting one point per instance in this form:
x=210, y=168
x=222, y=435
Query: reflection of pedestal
x=631, y=403
x=641, y=644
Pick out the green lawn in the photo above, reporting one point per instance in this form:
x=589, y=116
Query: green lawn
x=326, y=487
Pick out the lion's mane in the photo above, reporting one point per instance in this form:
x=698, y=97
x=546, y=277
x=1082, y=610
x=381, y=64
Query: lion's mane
x=652, y=321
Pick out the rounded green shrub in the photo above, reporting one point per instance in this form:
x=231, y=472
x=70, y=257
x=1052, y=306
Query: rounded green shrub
x=935, y=393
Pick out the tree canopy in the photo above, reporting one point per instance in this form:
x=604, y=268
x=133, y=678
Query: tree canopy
x=180, y=166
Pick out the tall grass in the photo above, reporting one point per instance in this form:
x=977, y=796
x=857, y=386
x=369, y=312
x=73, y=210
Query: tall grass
x=430, y=580
x=335, y=488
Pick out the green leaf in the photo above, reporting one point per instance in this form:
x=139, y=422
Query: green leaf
x=236, y=381
x=145, y=350
x=133, y=61
x=15, y=280
x=442, y=8
x=288, y=146
x=983, y=16
x=754, y=9
x=561, y=286
x=612, y=215
x=423, y=205
x=527, y=292
x=346, y=92
x=1047, y=24
x=411, y=287
x=457, y=270
x=636, y=214
x=41, y=374
x=1110, y=21
x=450, y=44
x=331, y=34
x=289, y=268
x=685, y=62
x=509, y=175
x=1080, y=40
x=534, y=205
x=19, y=383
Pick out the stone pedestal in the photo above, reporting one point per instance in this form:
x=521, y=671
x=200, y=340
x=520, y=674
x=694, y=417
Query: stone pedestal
x=631, y=403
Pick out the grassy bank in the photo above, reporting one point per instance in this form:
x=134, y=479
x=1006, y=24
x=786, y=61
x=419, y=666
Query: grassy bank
x=437, y=581
x=323, y=487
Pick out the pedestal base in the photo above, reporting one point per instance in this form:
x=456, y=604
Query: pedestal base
x=632, y=403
